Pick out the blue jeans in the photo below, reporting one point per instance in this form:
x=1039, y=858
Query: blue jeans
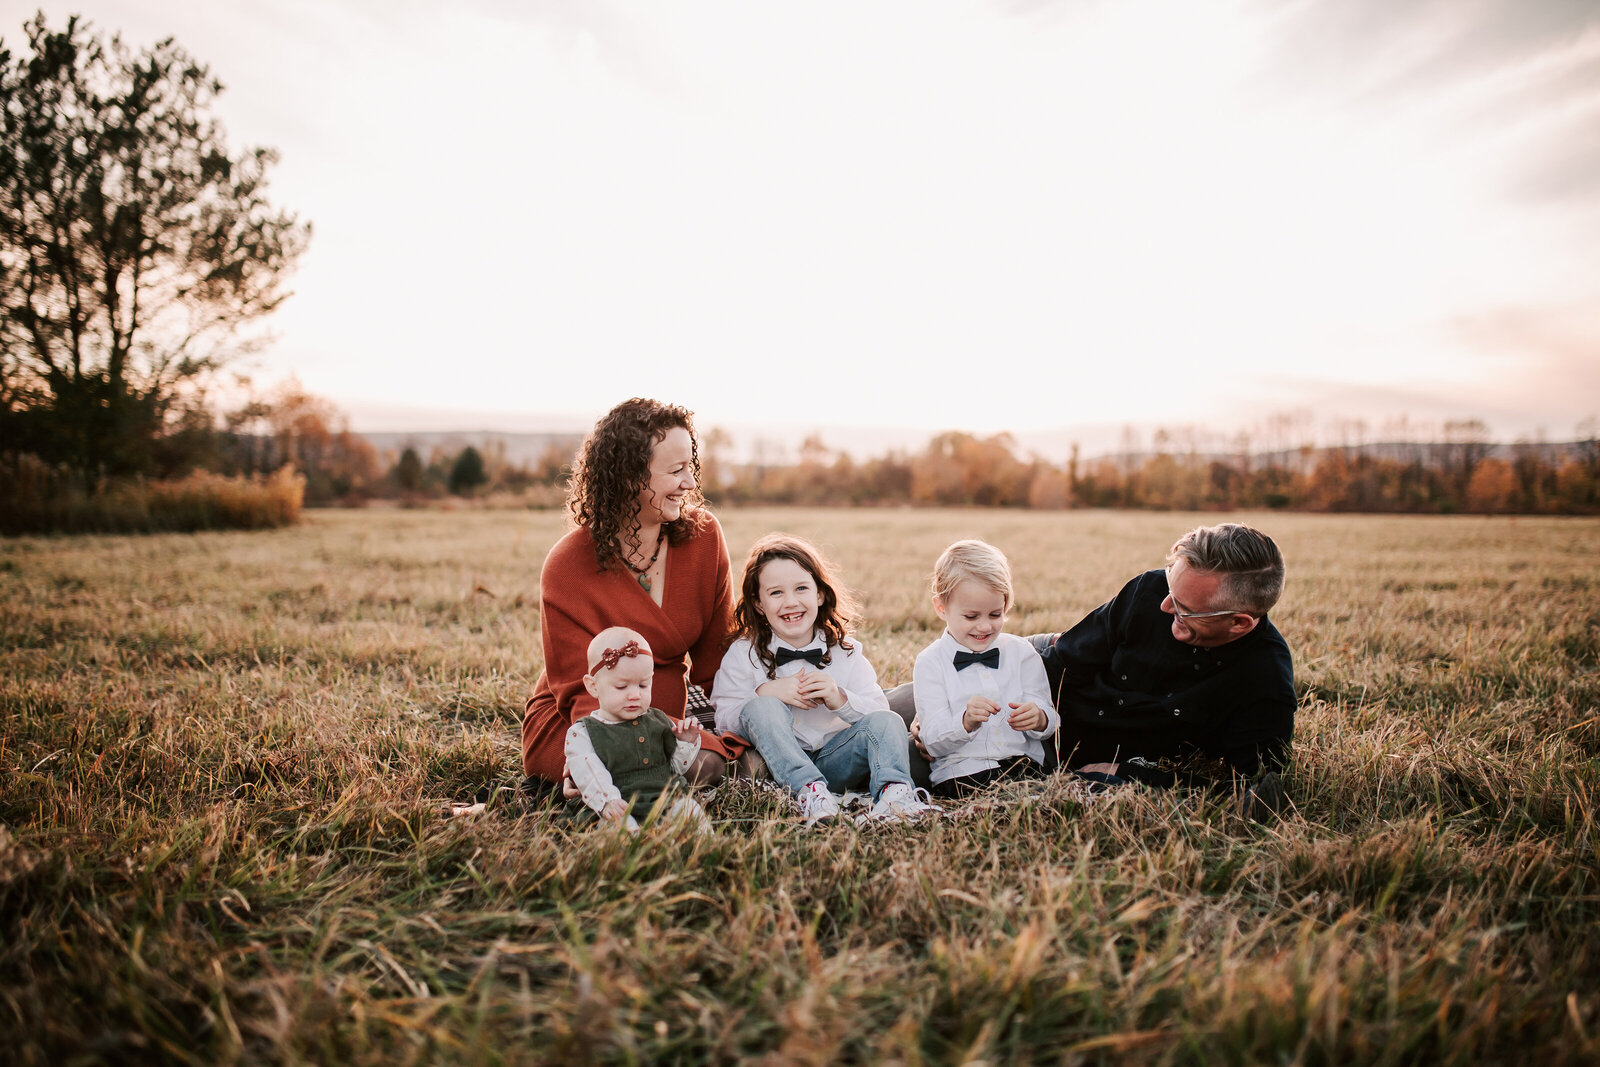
x=871, y=750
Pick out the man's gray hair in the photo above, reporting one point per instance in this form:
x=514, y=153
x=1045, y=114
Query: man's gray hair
x=1248, y=561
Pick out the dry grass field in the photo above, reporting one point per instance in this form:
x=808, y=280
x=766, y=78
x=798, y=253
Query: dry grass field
x=222, y=757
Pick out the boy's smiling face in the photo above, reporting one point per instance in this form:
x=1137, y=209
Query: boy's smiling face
x=624, y=690
x=974, y=613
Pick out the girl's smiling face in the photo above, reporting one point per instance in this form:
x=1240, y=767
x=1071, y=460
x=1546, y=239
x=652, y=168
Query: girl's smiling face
x=788, y=601
x=973, y=613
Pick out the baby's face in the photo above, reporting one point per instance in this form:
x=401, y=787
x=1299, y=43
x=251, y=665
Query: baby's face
x=624, y=690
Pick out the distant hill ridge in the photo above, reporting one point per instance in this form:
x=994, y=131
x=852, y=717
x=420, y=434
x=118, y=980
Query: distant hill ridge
x=519, y=448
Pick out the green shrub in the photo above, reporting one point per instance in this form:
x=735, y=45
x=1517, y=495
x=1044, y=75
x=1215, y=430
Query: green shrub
x=468, y=472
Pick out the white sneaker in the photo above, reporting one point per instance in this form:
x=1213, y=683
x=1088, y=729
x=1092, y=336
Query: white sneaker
x=850, y=799
x=901, y=803
x=816, y=803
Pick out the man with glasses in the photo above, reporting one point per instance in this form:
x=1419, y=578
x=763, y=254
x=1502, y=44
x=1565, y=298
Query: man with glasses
x=1180, y=679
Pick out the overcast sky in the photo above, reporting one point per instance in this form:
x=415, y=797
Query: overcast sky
x=980, y=215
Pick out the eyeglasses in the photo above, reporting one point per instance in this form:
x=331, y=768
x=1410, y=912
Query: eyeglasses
x=1187, y=615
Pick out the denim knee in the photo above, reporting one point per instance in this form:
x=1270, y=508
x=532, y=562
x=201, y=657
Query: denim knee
x=885, y=726
x=764, y=709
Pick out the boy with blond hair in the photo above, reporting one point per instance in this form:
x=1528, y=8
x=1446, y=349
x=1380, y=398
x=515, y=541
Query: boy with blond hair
x=983, y=701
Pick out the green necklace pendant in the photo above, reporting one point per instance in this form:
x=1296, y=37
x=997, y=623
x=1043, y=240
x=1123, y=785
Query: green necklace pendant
x=643, y=574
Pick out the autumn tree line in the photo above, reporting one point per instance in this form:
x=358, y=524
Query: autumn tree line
x=1464, y=472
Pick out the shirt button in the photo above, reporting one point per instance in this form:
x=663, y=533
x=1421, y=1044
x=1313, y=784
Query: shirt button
x=1102, y=711
x=1119, y=702
x=1175, y=711
x=1124, y=677
x=647, y=761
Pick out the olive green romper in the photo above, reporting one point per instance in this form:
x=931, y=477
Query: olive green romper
x=639, y=756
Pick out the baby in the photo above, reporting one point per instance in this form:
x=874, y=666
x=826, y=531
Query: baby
x=626, y=754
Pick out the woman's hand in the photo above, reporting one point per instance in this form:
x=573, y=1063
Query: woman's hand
x=819, y=687
x=786, y=690
x=979, y=708
x=1027, y=716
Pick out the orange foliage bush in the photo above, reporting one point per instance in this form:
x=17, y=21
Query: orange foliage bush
x=38, y=498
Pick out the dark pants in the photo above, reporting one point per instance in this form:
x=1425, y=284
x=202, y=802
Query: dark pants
x=1010, y=770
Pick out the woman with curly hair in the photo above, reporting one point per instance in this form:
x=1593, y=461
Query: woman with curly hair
x=646, y=554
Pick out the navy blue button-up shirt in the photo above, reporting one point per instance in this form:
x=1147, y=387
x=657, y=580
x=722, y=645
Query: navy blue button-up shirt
x=1130, y=693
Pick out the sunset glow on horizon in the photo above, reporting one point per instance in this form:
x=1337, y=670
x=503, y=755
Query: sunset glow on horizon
x=1024, y=216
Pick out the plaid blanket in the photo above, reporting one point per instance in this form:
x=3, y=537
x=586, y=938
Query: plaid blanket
x=699, y=706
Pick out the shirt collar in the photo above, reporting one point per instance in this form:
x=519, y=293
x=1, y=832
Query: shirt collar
x=817, y=641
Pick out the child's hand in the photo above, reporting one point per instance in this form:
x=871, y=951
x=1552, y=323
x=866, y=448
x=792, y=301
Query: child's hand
x=686, y=729
x=979, y=708
x=819, y=687
x=615, y=810
x=786, y=690
x=1027, y=716
x=916, y=739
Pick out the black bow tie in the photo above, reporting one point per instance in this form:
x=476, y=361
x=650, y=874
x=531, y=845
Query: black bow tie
x=810, y=655
x=965, y=659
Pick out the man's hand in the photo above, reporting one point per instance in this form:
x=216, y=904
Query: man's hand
x=686, y=730
x=820, y=688
x=1027, y=716
x=786, y=690
x=979, y=709
x=569, y=788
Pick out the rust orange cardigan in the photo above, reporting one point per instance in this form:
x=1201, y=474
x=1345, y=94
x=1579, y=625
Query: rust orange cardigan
x=688, y=633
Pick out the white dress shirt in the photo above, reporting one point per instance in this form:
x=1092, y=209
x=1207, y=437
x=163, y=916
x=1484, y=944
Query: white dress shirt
x=942, y=692
x=592, y=777
x=742, y=673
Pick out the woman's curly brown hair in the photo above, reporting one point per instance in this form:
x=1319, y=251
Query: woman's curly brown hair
x=837, y=613
x=613, y=468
